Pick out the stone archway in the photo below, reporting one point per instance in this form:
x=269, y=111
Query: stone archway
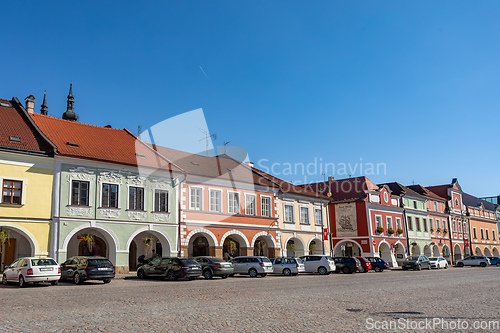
x=105, y=242
x=295, y=247
x=446, y=252
x=347, y=248
x=315, y=246
x=457, y=252
x=201, y=242
x=264, y=245
x=427, y=251
x=234, y=243
x=415, y=249
x=142, y=243
x=435, y=251
x=495, y=252
x=399, y=252
x=20, y=243
x=478, y=251
x=487, y=252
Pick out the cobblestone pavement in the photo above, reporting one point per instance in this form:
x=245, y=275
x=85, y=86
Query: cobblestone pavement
x=305, y=303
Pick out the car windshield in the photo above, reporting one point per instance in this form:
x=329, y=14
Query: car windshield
x=329, y=258
x=299, y=261
x=433, y=259
x=99, y=262
x=413, y=258
x=188, y=262
x=264, y=259
x=214, y=259
x=42, y=262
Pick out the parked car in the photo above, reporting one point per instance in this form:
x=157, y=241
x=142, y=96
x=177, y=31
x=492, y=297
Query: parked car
x=474, y=261
x=32, y=270
x=213, y=266
x=494, y=261
x=83, y=268
x=318, y=264
x=366, y=265
x=170, y=268
x=252, y=265
x=416, y=263
x=347, y=265
x=438, y=262
x=378, y=264
x=287, y=266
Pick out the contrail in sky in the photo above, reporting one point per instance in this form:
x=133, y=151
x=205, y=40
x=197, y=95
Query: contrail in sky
x=204, y=72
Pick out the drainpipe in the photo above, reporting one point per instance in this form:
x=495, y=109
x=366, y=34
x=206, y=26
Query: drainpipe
x=470, y=235
x=179, y=212
x=450, y=232
x=405, y=223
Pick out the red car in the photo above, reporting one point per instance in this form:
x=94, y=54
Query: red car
x=365, y=265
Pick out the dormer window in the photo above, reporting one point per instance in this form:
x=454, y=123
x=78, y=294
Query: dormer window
x=73, y=144
x=456, y=202
x=14, y=138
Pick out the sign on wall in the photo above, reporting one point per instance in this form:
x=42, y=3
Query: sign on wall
x=345, y=218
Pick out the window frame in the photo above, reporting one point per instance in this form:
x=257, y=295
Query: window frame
x=291, y=206
x=167, y=202
x=409, y=222
x=230, y=205
x=254, y=202
x=196, y=188
x=267, y=197
x=210, y=203
x=73, y=181
x=117, y=195
x=22, y=194
x=316, y=210
x=306, y=221
x=143, y=198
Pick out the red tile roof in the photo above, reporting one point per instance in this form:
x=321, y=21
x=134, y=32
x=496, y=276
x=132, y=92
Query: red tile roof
x=440, y=190
x=15, y=123
x=79, y=140
x=425, y=192
x=344, y=190
x=289, y=187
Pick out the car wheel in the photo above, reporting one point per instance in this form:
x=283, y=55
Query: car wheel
x=429, y=267
x=322, y=270
x=22, y=284
x=483, y=264
x=287, y=272
x=141, y=274
x=378, y=269
x=106, y=280
x=460, y=264
x=224, y=276
x=77, y=279
x=54, y=283
x=170, y=275
x=419, y=267
x=252, y=272
x=446, y=266
x=4, y=280
x=207, y=274
x=346, y=270
x=498, y=264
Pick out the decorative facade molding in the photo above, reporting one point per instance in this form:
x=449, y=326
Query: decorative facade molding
x=160, y=217
x=79, y=211
x=110, y=176
x=136, y=180
x=80, y=173
x=136, y=216
x=109, y=213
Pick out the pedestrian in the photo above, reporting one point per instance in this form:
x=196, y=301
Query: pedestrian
x=226, y=256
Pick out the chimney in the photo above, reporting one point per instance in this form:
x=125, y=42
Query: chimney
x=331, y=179
x=250, y=164
x=30, y=104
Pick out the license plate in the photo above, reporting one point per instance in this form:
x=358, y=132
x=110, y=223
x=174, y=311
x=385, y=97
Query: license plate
x=103, y=269
x=195, y=268
x=45, y=269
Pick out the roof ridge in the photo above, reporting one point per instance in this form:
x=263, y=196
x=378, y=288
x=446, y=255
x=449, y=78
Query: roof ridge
x=75, y=122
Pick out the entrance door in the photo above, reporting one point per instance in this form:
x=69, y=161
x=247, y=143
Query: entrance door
x=8, y=257
x=200, y=247
x=132, y=256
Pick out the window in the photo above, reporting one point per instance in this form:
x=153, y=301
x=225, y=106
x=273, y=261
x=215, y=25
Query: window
x=12, y=191
x=109, y=196
x=249, y=204
x=431, y=222
x=493, y=234
x=80, y=193
x=233, y=203
x=389, y=222
x=265, y=206
x=378, y=221
x=398, y=223
x=386, y=197
x=459, y=227
x=465, y=227
x=474, y=233
x=482, y=234
x=435, y=206
x=195, y=198
x=318, y=218
x=410, y=224
x=215, y=201
x=438, y=224
x=417, y=223
x=487, y=234
x=161, y=201
x=136, y=198
x=425, y=225
x=304, y=215
x=415, y=204
x=288, y=213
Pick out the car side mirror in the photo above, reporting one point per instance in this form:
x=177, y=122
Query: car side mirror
x=6, y=267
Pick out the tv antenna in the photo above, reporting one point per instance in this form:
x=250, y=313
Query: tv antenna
x=225, y=146
x=207, y=137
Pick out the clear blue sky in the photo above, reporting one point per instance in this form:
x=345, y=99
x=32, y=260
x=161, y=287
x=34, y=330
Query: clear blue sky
x=414, y=85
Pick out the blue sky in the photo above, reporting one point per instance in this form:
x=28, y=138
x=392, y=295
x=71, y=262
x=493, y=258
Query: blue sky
x=413, y=85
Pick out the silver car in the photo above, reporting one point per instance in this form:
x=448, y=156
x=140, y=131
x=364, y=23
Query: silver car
x=474, y=261
x=31, y=269
x=287, y=266
x=252, y=265
x=318, y=264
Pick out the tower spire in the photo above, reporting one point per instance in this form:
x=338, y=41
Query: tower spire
x=70, y=113
x=43, y=107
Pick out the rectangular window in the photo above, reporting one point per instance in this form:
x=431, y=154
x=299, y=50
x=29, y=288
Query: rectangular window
x=474, y=233
x=415, y=204
x=215, y=201
x=438, y=224
x=389, y=222
x=233, y=203
x=417, y=223
x=493, y=234
x=318, y=218
x=12, y=191
x=425, y=225
x=249, y=204
x=195, y=198
x=161, y=201
x=378, y=221
x=109, y=196
x=410, y=224
x=288, y=213
x=431, y=222
x=435, y=206
x=136, y=198
x=482, y=234
x=465, y=227
x=80, y=193
x=487, y=234
x=265, y=206
x=459, y=227
x=454, y=226
x=304, y=215
x=398, y=223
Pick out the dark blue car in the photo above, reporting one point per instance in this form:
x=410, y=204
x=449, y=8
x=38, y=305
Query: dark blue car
x=494, y=261
x=378, y=264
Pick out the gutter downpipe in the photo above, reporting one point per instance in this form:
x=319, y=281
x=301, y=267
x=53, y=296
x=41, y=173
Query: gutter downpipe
x=179, y=212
